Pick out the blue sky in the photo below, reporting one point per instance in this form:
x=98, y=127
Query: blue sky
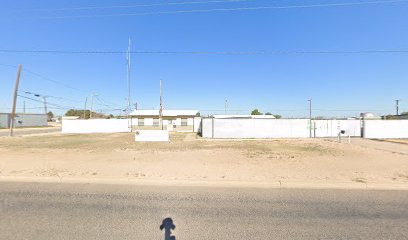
x=340, y=84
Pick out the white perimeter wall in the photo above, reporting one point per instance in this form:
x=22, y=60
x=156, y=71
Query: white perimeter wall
x=255, y=128
x=386, y=129
x=331, y=128
x=95, y=126
x=276, y=128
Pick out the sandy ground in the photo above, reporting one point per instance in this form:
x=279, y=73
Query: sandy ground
x=188, y=158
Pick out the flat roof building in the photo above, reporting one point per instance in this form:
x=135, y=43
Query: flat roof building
x=173, y=120
x=24, y=120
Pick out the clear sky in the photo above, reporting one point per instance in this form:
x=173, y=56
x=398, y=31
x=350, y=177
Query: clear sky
x=341, y=84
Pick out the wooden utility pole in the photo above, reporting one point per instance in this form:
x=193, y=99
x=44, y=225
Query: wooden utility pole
x=86, y=100
x=92, y=102
x=13, y=111
x=45, y=104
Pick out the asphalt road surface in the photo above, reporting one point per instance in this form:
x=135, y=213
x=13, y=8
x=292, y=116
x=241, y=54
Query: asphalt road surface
x=86, y=211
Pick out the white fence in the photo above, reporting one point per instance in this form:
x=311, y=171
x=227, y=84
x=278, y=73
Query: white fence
x=277, y=128
x=95, y=126
x=331, y=128
x=386, y=129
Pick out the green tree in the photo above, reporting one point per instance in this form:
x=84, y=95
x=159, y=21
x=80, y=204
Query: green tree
x=198, y=114
x=50, y=115
x=256, y=112
x=268, y=113
x=277, y=116
x=80, y=114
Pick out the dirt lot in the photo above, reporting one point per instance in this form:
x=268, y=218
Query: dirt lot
x=188, y=158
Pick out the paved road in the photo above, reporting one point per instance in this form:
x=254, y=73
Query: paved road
x=86, y=211
x=30, y=131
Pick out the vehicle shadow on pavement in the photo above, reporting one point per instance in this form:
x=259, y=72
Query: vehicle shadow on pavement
x=168, y=226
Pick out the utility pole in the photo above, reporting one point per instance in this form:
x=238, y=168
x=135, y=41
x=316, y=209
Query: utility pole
x=310, y=117
x=45, y=104
x=226, y=106
x=13, y=111
x=128, y=76
x=92, y=103
x=397, y=105
x=86, y=100
x=24, y=109
x=161, y=106
x=136, y=106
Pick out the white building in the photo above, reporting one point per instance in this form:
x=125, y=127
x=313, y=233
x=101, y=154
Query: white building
x=24, y=120
x=177, y=120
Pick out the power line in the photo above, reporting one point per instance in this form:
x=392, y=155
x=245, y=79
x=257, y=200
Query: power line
x=51, y=80
x=40, y=75
x=49, y=96
x=104, y=103
x=51, y=104
x=37, y=74
x=233, y=9
x=323, y=52
x=140, y=5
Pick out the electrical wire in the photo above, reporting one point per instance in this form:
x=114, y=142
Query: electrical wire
x=104, y=103
x=24, y=69
x=140, y=5
x=232, y=9
x=322, y=52
x=49, y=96
x=50, y=104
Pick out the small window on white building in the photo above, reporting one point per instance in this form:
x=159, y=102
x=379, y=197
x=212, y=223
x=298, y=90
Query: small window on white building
x=140, y=121
x=155, y=122
x=184, y=122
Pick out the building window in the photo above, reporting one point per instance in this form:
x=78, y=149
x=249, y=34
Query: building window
x=184, y=122
x=140, y=121
x=155, y=122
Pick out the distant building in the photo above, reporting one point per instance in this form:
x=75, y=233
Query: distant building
x=24, y=120
x=70, y=117
x=369, y=115
x=177, y=120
